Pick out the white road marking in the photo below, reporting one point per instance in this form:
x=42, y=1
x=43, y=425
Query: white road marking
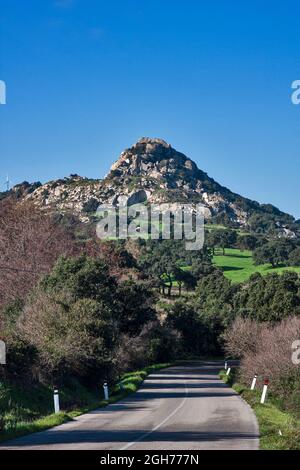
x=161, y=423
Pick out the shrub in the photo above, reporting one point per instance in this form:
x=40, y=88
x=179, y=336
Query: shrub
x=155, y=343
x=294, y=258
x=68, y=336
x=242, y=337
x=266, y=350
x=195, y=333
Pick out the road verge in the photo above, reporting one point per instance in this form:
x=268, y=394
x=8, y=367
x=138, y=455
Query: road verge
x=13, y=422
x=279, y=429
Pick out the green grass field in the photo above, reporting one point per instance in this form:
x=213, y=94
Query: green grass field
x=238, y=265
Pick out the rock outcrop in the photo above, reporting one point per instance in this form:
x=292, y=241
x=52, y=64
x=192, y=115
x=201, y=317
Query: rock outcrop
x=149, y=171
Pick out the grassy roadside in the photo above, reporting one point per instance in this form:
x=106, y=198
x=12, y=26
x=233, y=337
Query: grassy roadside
x=279, y=429
x=24, y=411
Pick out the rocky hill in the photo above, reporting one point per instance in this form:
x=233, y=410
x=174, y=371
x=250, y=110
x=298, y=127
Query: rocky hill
x=151, y=170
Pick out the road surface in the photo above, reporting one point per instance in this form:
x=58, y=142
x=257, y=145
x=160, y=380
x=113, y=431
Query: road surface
x=182, y=407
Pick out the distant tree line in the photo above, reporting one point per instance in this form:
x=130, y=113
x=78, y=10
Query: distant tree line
x=273, y=250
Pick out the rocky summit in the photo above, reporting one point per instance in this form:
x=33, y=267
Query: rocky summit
x=153, y=171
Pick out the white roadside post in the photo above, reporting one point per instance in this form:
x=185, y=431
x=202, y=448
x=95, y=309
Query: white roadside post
x=264, y=392
x=105, y=388
x=253, y=382
x=228, y=371
x=56, y=401
x=225, y=365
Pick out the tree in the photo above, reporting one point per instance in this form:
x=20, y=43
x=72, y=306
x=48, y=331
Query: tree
x=224, y=238
x=83, y=277
x=200, y=331
x=75, y=318
x=262, y=223
x=201, y=269
x=247, y=242
x=167, y=266
x=30, y=243
x=164, y=261
x=136, y=307
x=183, y=318
x=268, y=298
x=20, y=354
x=184, y=278
x=159, y=261
x=274, y=252
x=294, y=257
x=214, y=295
x=241, y=337
x=69, y=337
x=156, y=343
x=211, y=240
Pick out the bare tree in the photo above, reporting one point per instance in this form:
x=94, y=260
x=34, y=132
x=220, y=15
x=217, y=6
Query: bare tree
x=241, y=337
x=266, y=350
x=30, y=243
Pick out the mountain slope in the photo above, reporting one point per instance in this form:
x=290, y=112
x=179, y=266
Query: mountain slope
x=154, y=171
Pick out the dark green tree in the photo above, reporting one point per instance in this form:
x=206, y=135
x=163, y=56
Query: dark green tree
x=247, y=242
x=136, y=306
x=294, y=257
x=275, y=252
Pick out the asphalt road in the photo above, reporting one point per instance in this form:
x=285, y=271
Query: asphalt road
x=182, y=407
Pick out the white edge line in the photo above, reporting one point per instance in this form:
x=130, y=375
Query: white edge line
x=143, y=436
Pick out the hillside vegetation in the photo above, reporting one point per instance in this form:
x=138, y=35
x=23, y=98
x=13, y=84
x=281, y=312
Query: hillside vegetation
x=76, y=311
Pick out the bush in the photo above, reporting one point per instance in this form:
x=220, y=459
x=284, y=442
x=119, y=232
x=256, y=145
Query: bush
x=155, y=343
x=195, y=334
x=90, y=206
x=294, y=258
x=68, y=336
x=242, y=337
x=266, y=350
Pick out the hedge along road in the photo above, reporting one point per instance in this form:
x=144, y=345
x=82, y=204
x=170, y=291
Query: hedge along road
x=184, y=407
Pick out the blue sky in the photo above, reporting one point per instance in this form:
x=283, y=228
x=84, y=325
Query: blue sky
x=87, y=78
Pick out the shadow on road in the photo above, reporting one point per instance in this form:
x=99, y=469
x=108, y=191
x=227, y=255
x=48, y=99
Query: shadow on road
x=65, y=437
